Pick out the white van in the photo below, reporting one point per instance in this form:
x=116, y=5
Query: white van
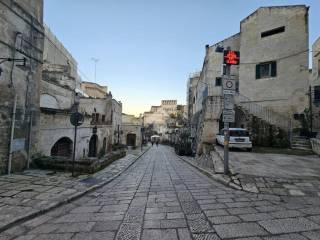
x=239, y=138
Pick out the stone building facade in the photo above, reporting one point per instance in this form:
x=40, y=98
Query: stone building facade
x=131, y=130
x=274, y=58
x=271, y=80
x=116, y=113
x=21, y=37
x=59, y=93
x=315, y=85
x=94, y=90
x=192, y=84
x=158, y=115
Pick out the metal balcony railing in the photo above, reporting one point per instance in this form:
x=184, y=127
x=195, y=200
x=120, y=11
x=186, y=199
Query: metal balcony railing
x=264, y=113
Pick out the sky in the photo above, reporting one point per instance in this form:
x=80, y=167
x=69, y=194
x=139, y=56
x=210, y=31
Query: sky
x=148, y=48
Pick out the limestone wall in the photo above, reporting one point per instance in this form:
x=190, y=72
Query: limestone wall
x=57, y=126
x=286, y=92
x=20, y=22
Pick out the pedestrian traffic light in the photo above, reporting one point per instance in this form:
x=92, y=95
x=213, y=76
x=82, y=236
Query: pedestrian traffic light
x=231, y=57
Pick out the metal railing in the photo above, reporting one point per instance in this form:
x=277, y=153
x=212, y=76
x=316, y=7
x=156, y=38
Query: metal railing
x=262, y=112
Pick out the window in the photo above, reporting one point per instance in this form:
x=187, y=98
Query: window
x=218, y=81
x=239, y=133
x=317, y=94
x=97, y=117
x=266, y=70
x=93, y=117
x=273, y=32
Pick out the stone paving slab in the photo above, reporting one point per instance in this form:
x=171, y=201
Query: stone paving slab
x=162, y=197
x=35, y=191
x=275, y=176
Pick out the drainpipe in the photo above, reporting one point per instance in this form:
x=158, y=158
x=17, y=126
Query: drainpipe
x=29, y=139
x=13, y=120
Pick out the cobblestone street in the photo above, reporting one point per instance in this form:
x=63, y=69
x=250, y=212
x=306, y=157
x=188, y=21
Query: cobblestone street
x=162, y=197
x=34, y=191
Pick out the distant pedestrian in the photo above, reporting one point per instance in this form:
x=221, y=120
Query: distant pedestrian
x=157, y=142
x=152, y=143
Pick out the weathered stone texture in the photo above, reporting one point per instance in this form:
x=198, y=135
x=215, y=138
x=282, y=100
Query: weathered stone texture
x=20, y=22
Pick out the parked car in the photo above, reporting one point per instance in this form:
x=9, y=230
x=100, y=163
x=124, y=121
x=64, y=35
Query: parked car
x=239, y=138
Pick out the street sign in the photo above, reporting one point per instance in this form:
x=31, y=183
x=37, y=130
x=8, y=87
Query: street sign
x=228, y=84
x=228, y=112
x=228, y=101
x=76, y=119
x=230, y=92
x=228, y=118
x=228, y=115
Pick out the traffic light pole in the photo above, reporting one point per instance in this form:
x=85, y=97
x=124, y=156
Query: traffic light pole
x=226, y=134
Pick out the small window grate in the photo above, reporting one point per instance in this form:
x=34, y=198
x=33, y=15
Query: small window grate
x=218, y=81
x=273, y=32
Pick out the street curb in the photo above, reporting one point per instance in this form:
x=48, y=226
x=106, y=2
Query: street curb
x=68, y=199
x=216, y=177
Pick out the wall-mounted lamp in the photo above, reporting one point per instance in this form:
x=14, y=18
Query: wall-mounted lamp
x=15, y=60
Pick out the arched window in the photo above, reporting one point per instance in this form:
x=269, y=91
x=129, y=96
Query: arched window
x=48, y=101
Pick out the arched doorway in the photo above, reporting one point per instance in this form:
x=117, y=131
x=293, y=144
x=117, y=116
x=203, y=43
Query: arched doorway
x=93, y=145
x=62, y=148
x=131, y=139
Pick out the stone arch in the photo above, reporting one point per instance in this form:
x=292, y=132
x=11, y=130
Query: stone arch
x=241, y=119
x=62, y=148
x=48, y=101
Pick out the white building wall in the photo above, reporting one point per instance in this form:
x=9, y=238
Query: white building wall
x=285, y=93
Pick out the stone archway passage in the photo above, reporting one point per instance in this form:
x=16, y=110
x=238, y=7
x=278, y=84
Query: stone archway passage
x=93, y=146
x=131, y=139
x=62, y=148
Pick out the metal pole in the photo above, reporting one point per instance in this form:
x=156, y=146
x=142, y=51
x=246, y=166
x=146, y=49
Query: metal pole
x=29, y=139
x=226, y=134
x=13, y=120
x=141, y=139
x=95, y=68
x=74, y=148
x=310, y=106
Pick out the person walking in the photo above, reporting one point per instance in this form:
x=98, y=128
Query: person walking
x=157, y=143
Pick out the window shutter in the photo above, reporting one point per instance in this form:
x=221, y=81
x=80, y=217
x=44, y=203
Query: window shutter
x=258, y=71
x=273, y=69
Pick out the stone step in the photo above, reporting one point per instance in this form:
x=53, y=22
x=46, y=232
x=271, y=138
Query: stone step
x=301, y=147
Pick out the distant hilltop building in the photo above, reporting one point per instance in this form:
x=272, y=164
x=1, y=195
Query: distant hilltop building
x=159, y=116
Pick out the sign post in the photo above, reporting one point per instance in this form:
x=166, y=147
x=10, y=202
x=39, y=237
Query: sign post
x=229, y=88
x=76, y=120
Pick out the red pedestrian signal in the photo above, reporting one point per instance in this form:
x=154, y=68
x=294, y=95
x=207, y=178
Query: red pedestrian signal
x=231, y=57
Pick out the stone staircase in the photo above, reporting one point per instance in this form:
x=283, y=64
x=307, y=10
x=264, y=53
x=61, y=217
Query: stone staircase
x=266, y=114
x=249, y=108
x=302, y=143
